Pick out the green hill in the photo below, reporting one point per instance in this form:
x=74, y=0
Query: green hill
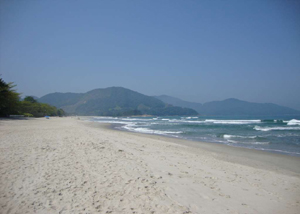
x=113, y=101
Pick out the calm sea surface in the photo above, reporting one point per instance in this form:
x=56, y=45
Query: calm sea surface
x=279, y=134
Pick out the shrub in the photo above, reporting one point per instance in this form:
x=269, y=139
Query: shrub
x=27, y=115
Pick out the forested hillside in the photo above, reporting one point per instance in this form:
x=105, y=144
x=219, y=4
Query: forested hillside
x=113, y=101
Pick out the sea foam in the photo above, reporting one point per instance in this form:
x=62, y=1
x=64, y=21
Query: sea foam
x=293, y=122
x=238, y=136
x=233, y=122
x=266, y=129
x=151, y=131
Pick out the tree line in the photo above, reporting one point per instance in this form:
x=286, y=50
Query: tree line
x=11, y=104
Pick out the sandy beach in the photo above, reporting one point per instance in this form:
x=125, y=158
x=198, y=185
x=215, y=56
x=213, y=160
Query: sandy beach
x=66, y=165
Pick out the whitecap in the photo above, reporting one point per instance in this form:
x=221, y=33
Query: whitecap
x=233, y=122
x=130, y=119
x=238, y=136
x=105, y=118
x=260, y=143
x=265, y=129
x=227, y=136
x=150, y=131
x=293, y=122
x=232, y=141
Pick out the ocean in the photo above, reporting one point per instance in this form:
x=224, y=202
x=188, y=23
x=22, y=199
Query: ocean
x=279, y=135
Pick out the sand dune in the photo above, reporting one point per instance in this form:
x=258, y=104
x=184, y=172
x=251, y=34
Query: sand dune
x=65, y=165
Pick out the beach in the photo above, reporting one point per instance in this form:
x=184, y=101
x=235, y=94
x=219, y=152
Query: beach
x=67, y=165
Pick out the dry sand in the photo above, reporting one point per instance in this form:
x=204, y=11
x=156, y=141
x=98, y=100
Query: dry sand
x=64, y=165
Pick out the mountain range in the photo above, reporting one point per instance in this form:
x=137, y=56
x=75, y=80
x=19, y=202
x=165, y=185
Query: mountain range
x=113, y=101
x=118, y=101
x=231, y=107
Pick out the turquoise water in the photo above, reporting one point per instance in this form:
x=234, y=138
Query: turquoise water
x=280, y=135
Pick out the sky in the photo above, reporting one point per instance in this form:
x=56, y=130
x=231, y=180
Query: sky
x=194, y=50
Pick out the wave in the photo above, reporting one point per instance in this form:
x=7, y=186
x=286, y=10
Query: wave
x=103, y=117
x=207, y=121
x=280, y=151
x=273, y=121
x=233, y=122
x=230, y=138
x=115, y=122
x=293, y=122
x=223, y=122
x=248, y=143
x=227, y=136
x=265, y=129
x=189, y=118
x=150, y=131
x=130, y=119
x=260, y=143
x=190, y=121
x=181, y=121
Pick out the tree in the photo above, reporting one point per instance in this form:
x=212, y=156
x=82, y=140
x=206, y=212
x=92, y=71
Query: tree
x=30, y=99
x=38, y=109
x=9, y=99
x=10, y=104
x=60, y=112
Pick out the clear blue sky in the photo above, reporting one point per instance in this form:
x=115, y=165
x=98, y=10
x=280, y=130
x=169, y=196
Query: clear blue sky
x=194, y=50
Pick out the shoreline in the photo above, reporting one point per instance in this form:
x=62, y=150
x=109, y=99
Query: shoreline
x=66, y=165
x=279, y=146
x=245, y=156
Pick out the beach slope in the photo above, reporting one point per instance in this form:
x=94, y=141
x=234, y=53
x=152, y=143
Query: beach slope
x=65, y=165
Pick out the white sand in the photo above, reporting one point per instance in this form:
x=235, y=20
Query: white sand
x=64, y=165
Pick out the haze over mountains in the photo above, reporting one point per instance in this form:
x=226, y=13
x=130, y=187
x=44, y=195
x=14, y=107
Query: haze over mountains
x=118, y=101
x=113, y=101
x=232, y=107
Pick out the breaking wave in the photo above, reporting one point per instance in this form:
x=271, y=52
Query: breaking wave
x=237, y=136
x=150, y=131
x=266, y=129
x=293, y=122
x=235, y=122
x=263, y=134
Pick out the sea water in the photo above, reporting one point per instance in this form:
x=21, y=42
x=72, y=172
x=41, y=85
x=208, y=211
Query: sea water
x=279, y=135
